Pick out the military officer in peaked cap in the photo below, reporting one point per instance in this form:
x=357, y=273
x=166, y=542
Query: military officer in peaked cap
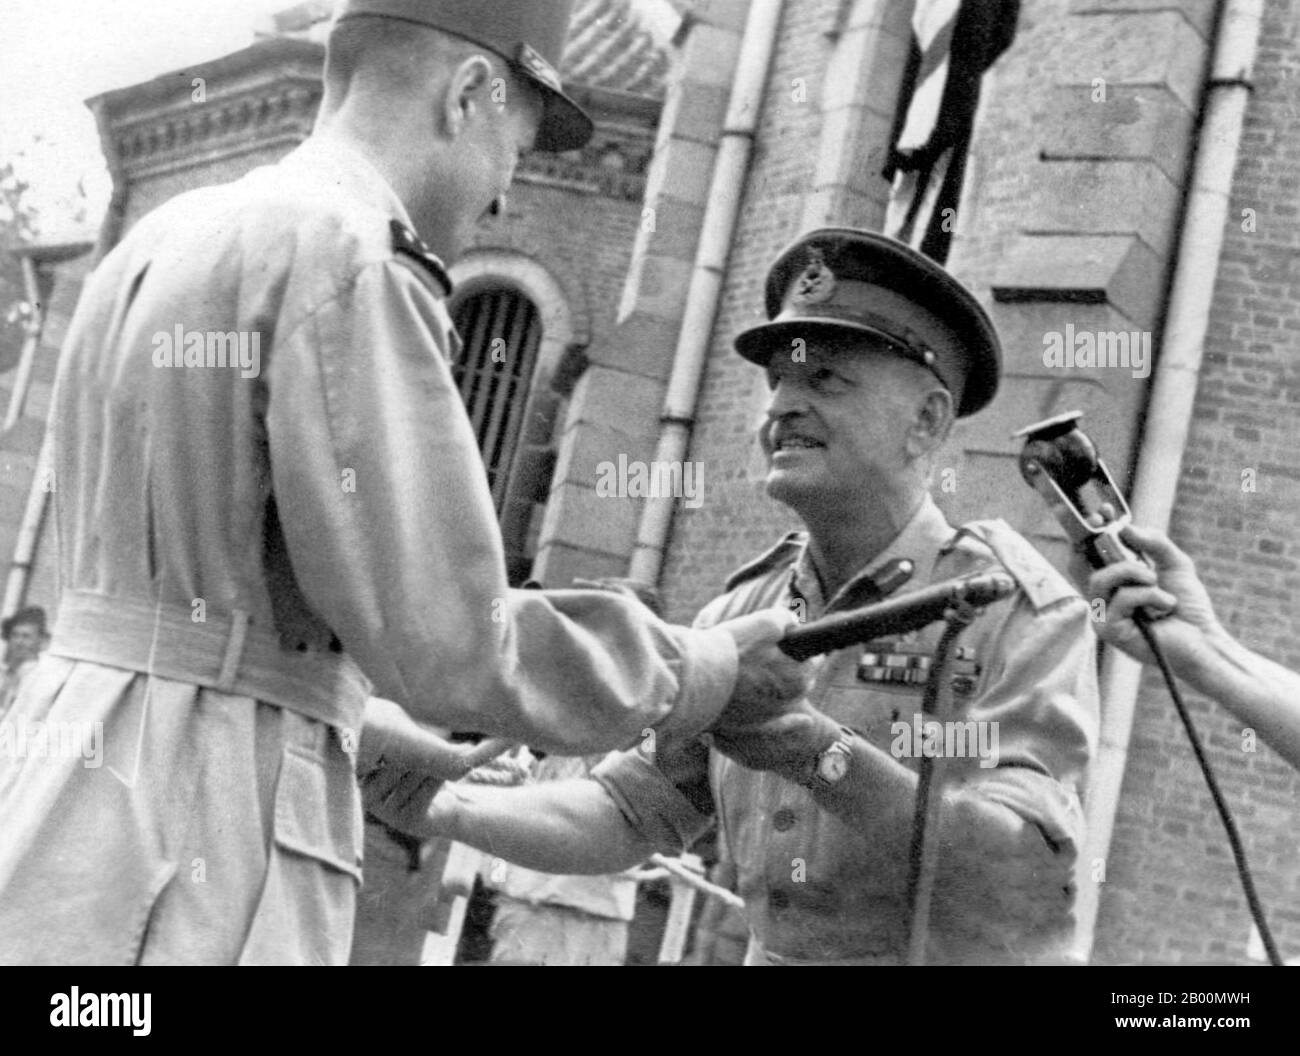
x=857, y=289
x=249, y=553
x=870, y=351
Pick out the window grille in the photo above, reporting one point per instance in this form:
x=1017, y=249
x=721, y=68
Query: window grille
x=501, y=330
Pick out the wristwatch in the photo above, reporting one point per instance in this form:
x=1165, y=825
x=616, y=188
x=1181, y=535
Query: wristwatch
x=832, y=764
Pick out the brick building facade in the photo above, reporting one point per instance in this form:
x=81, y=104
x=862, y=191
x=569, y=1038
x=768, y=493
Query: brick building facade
x=1072, y=212
x=1171, y=894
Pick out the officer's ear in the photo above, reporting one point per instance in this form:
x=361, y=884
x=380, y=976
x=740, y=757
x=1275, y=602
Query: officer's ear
x=931, y=422
x=468, y=94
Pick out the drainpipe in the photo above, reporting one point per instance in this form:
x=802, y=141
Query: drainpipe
x=1173, y=397
x=31, y=341
x=691, y=354
x=29, y=532
x=20, y=567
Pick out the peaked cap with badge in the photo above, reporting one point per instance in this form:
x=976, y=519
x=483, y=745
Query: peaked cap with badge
x=843, y=281
x=529, y=35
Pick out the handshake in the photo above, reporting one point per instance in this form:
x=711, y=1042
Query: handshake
x=768, y=724
x=765, y=725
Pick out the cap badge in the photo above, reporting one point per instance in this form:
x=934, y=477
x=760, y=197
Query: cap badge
x=816, y=283
x=531, y=60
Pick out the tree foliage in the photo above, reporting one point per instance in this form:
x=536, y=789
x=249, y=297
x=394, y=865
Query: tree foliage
x=18, y=225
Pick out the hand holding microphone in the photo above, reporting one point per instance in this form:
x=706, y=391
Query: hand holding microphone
x=1167, y=592
x=1157, y=610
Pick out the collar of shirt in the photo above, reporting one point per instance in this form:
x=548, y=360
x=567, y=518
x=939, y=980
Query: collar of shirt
x=351, y=172
x=921, y=541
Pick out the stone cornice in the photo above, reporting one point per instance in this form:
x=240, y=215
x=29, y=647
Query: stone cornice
x=267, y=95
x=249, y=62
x=614, y=163
x=262, y=96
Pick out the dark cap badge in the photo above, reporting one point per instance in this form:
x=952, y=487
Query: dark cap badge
x=815, y=283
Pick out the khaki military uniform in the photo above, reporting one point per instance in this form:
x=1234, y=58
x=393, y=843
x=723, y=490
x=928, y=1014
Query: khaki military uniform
x=11, y=681
x=543, y=918
x=247, y=550
x=816, y=890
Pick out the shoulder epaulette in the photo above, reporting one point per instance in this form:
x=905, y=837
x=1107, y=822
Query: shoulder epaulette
x=410, y=245
x=1036, y=576
x=773, y=558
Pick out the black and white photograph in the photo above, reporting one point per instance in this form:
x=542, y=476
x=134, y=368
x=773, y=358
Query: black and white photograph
x=652, y=483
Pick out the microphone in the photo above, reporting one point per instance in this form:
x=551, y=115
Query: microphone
x=901, y=615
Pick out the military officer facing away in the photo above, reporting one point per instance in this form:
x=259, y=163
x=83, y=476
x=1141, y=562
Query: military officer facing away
x=247, y=553
x=894, y=348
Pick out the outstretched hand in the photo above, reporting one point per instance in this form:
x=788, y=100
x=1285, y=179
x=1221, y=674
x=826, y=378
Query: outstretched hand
x=1171, y=594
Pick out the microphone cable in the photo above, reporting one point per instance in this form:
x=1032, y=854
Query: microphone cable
x=1225, y=815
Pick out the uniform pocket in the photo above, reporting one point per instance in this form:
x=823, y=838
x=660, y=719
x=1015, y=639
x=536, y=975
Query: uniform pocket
x=308, y=906
x=871, y=711
x=312, y=818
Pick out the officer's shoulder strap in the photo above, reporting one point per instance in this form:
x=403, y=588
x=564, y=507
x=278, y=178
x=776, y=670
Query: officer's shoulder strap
x=781, y=554
x=409, y=246
x=1035, y=575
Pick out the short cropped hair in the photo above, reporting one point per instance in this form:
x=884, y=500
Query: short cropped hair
x=392, y=55
x=389, y=52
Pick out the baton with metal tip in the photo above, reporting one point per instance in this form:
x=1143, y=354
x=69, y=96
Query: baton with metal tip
x=901, y=615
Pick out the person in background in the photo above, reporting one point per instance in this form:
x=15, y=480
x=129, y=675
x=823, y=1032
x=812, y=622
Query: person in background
x=556, y=920
x=566, y=921
x=25, y=636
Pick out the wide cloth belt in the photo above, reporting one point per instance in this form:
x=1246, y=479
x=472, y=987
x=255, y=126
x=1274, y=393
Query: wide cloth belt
x=222, y=652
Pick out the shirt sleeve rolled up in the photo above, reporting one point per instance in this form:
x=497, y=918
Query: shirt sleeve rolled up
x=652, y=803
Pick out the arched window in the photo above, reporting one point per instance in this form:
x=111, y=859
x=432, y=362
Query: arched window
x=499, y=291
x=501, y=330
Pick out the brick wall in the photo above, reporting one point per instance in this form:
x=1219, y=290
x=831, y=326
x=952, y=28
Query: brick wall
x=1068, y=218
x=555, y=226
x=736, y=519
x=1172, y=895
x=614, y=415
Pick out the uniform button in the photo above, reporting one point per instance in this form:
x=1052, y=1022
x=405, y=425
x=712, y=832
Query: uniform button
x=783, y=819
x=778, y=899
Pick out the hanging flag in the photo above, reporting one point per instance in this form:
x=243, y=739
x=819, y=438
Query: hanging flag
x=954, y=43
